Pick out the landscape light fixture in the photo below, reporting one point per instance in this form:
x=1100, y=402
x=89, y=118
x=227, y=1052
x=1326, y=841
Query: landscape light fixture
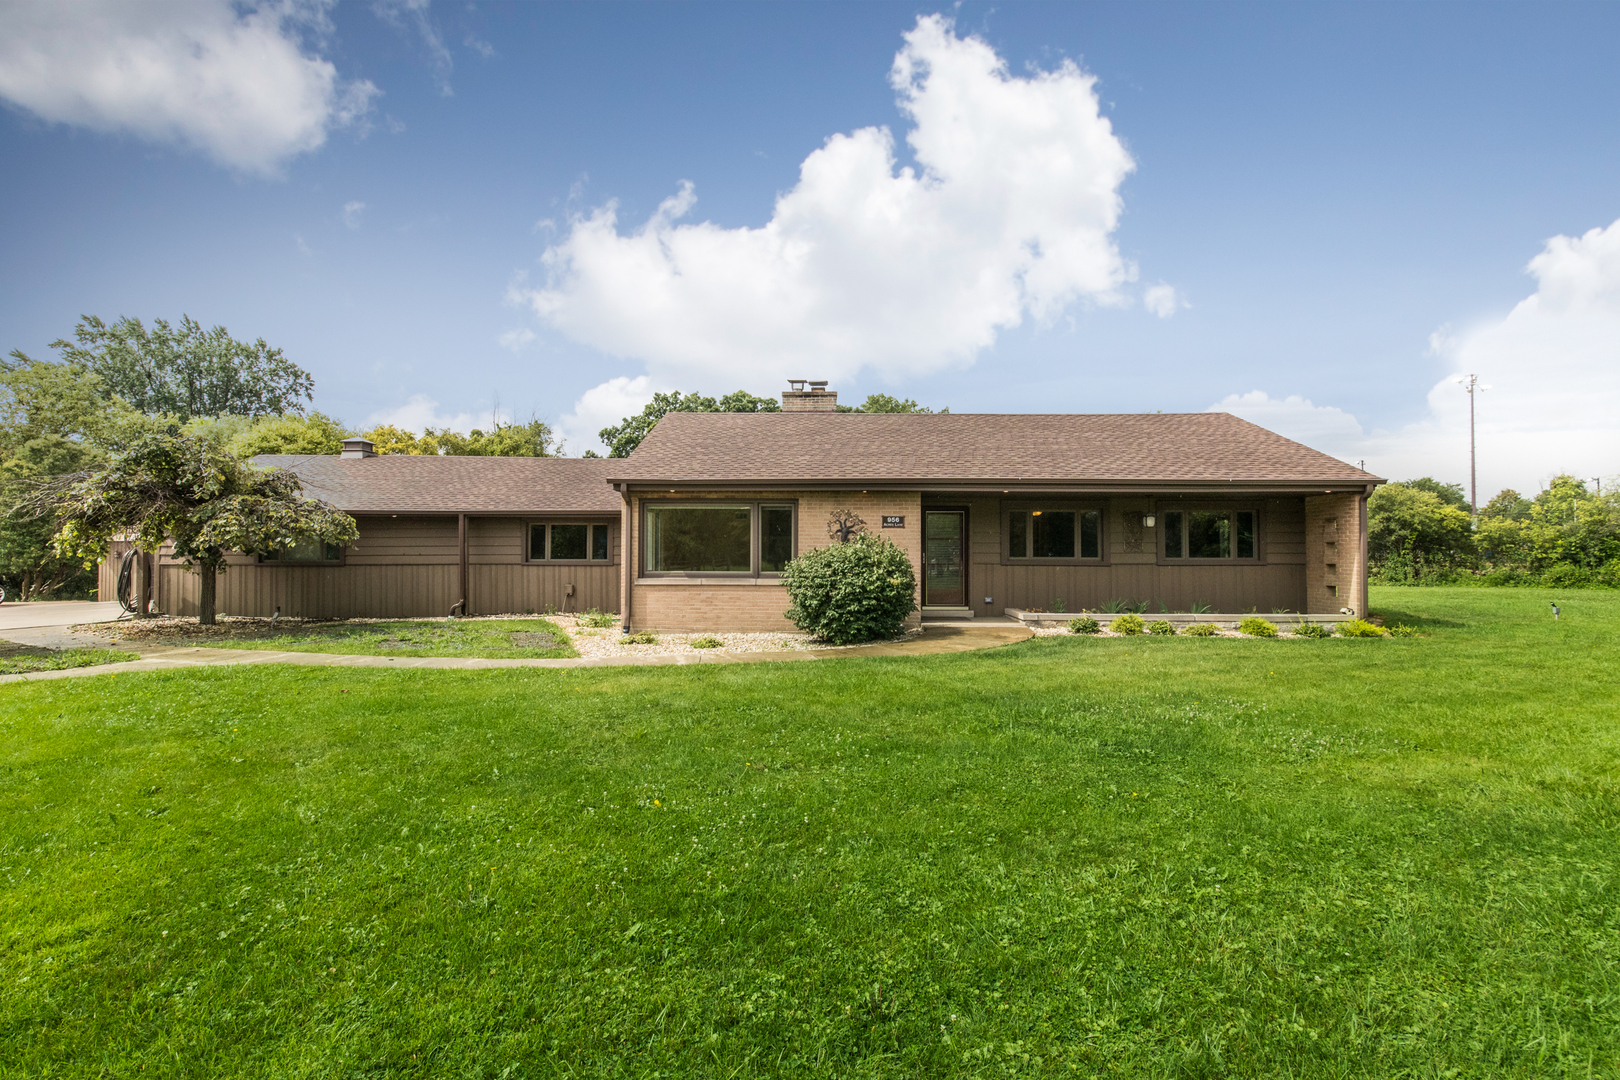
x=1471, y=383
x=1555, y=611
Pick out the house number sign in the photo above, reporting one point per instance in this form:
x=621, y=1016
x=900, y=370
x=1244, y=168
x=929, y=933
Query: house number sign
x=894, y=521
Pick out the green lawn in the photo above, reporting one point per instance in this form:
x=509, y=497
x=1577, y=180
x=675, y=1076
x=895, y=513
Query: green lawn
x=1131, y=857
x=16, y=659
x=471, y=638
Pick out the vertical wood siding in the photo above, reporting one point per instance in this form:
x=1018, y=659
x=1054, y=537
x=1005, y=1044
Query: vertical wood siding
x=403, y=567
x=1277, y=583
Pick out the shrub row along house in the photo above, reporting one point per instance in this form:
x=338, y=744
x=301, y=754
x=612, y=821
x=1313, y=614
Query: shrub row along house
x=1191, y=511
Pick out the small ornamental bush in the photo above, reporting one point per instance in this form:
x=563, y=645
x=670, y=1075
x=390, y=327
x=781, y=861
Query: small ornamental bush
x=1161, y=627
x=1359, y=628
x=1312, y=630
x=1129, y=624
x=1200, y=629
x=598, y=619
x=707, y=642
x=640, y=637
x=857, y=591
x=1085, y=624
x=1255, y=626
x=1403, y=631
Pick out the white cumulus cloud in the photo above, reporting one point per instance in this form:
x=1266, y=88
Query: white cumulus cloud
x=1553, y=365
x=1009, y=214
x=601, y=406
x=233, y=81
x=420, y=412
x=516, y=339
x=1162, y=300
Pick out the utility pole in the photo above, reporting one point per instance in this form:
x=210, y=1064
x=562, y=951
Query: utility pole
x=1471, y=383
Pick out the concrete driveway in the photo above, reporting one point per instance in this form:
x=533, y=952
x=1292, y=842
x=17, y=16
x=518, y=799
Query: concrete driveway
x=45, y=622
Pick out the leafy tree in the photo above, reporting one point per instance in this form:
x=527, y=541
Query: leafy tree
x=626, y=435
x=316, y=433
x=185, y=488
x=29, y=562
x=1569, y=524
x=1412, y=532
x=185, y=371
x=388, y=439
x=883, y=403
x=38, y=397
x=53, y=420
x=861, y=590
x=504, y=439
x=1507, y=504
x=1449, y=494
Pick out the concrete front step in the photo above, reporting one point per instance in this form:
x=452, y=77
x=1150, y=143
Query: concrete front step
x=929, y=613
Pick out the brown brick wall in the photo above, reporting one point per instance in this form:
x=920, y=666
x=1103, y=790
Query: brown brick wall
x=680, y=604
x=1335, y=574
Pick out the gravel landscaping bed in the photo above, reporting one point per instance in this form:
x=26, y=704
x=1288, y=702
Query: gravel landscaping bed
x=609, y=641
x=1220, y=631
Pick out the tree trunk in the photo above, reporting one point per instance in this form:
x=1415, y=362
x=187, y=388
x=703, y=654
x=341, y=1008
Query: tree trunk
x=205, y=595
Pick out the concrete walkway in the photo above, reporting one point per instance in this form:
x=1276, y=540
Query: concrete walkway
x=935, y=639
x=45, y=623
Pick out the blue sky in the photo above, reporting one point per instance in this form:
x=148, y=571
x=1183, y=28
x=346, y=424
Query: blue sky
x=1326, y=210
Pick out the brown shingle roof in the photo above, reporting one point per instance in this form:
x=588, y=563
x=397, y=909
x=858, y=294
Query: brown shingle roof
x=975, y=448
x=427, y=484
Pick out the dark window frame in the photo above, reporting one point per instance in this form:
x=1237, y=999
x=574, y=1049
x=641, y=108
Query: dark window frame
x=1231, y=510
x=342, y=558
x=755, y=540
x=546, y=560
x=1009, y=508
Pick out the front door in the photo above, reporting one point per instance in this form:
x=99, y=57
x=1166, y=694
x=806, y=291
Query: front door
x=944, y=569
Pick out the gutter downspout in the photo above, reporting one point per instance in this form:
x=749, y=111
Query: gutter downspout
x=461, y=539
x=1366, y=571
x=627, y=571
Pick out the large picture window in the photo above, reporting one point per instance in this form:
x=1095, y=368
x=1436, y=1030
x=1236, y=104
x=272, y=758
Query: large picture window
x=718, y=538
x=307, y=551
x=1050, y=533
x=568, y=541
x=1210, y=534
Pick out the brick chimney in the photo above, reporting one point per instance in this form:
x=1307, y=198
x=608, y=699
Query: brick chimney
x=816, y=399
x=358, y=448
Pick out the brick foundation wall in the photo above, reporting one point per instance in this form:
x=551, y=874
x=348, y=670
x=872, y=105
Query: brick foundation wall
x=750, y=604
x=1335, y=570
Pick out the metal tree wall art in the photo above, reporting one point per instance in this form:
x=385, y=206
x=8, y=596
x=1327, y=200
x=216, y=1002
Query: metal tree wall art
x=844, y=524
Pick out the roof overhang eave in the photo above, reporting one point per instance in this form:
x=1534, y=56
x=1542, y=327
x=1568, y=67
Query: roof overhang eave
x=1018, y=485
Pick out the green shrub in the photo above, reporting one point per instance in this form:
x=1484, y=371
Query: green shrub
x=1565, y=576
x=1312, y=630
x=708, y=641
x=598, y=619
x=1358, y=628
x=1130, y=624
x=1161, y=627
x=640, y=637
x=1403, y=631
x=858, y=591
x=1200, y=629
x=1085, y=624
x=1255, y=626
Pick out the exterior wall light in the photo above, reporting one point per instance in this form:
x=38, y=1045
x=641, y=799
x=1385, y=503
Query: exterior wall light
x=1147, y=521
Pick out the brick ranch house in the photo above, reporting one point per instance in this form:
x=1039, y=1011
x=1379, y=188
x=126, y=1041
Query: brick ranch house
x=690, y=532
